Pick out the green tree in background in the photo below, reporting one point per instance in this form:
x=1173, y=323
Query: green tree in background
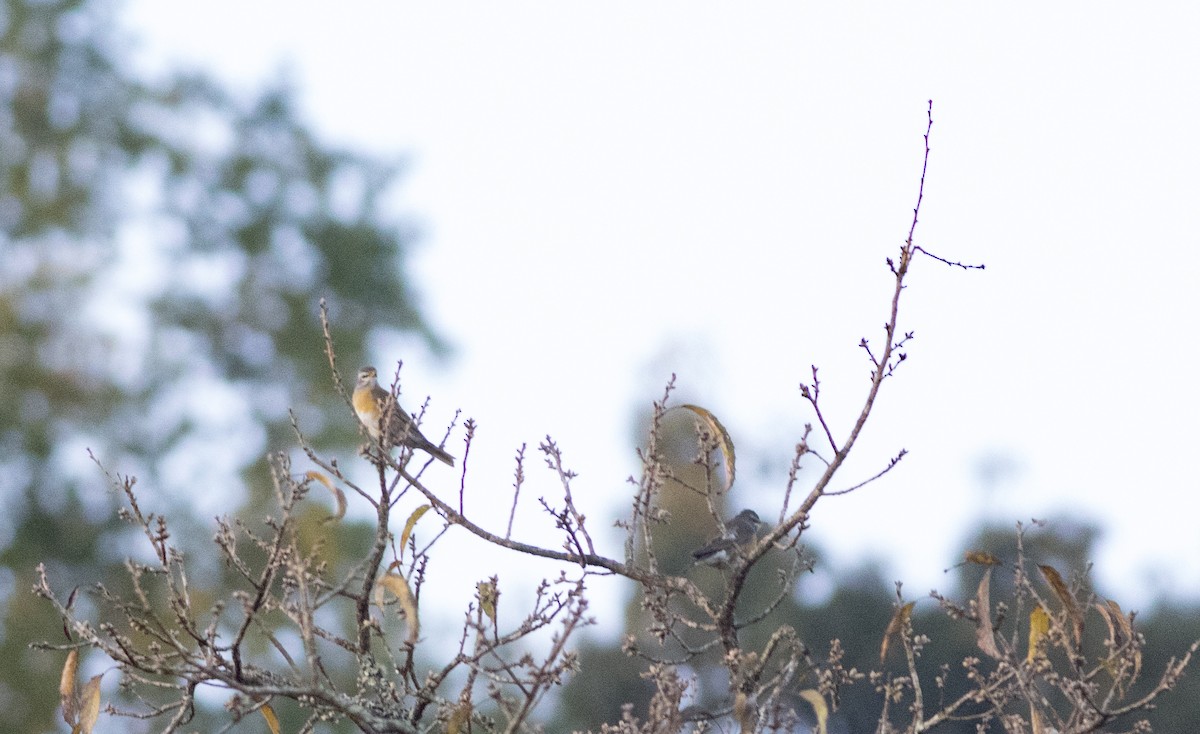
x=164, y=244
x=856, y=613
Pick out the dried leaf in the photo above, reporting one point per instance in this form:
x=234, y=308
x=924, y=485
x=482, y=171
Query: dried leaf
x=69, y=605
x=1068, y=601
x=725, y=443
x=1110, y=663
x=985, y=636
x=89, y=706
x=272, y=720
x=1120, y=633
x=487, y=597
x=338, y=494
x=66, y=688
x=461, y=715
x=396, y=584
x=1106, y=615
x=1039, y=627
x=1126, y=624
x=410, y=524
x=1123, y=622
x=820, y=708
x=745, y=712
x=1056, y=582
x=895, y=627
x=1035, y=720
x=981, y=558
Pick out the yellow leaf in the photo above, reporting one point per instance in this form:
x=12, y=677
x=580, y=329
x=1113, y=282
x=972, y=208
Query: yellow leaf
x=1039, y=627
x=1035, y=720
x=745, y=712
x=985, y=636
x=895, y=627
x=461, y=715
x=338, y=494
x=817, y=701
x=396, y=584
x=89, y=706
x=488, y=596
x=410, y=524
x=272, y=720
x=981, y=558
x=66, y=688
x=724, y=442
x=1068, y=601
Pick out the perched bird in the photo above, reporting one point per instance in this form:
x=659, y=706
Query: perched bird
x=373, y=405
x=738, y=532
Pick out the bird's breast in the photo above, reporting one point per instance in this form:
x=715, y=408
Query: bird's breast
x=364, y=404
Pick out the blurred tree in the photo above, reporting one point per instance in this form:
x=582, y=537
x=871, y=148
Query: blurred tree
x=252, y=217
x=608, y=678
x=1170, y=627
x=857, y=612
x=164, y=247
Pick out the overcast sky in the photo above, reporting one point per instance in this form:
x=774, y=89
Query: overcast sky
x=612, y=192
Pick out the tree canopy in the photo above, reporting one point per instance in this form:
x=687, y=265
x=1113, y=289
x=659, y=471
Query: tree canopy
x=165, y=244
x=185, y=269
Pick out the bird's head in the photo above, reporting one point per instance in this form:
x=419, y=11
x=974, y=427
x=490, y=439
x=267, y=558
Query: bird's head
x=750, y=517
x=366, y=377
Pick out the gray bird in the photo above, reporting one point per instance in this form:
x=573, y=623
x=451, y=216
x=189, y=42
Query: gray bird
x=722, y=549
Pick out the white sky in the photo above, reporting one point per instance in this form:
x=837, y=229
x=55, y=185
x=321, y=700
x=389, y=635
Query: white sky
x=609, y=192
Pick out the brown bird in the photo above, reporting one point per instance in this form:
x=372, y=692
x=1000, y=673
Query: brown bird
x=373, y=404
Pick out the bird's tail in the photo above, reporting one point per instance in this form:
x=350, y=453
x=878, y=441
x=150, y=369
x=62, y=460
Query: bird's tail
x=440, y=454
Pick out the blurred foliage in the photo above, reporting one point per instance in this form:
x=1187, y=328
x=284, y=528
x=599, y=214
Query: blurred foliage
x=856, y=611
x=164, y=244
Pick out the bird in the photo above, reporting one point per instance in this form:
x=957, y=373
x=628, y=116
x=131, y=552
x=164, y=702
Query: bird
x=738, y=532
x=373, y=404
